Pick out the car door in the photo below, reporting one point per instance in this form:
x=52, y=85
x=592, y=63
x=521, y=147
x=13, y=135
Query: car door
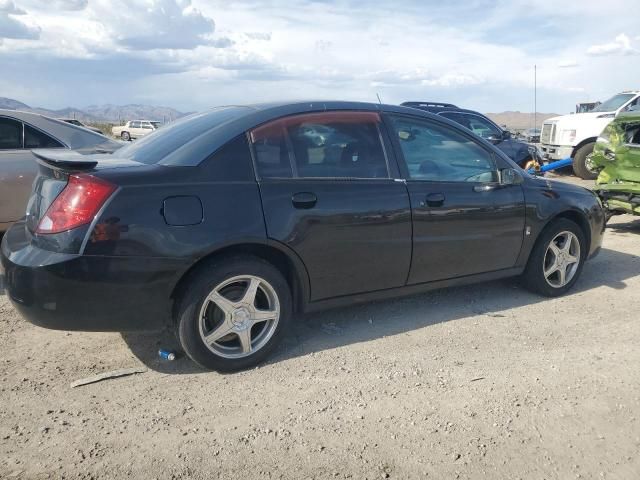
x=134, y=129
x=329, y=193
x=18, y=167
x=464, y=222
x=145, y=128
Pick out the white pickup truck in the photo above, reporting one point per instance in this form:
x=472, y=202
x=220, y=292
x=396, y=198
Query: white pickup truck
x=135, y=129
x=575, y=135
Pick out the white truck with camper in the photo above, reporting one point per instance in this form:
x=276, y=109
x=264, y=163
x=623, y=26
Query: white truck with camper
x=135, y=129
x=575, y=135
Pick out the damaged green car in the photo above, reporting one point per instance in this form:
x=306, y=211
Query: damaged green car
x=617, y=157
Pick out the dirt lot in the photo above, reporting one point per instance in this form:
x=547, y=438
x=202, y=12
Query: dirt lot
x=487, y=381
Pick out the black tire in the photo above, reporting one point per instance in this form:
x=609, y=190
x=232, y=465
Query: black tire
x=580, y=162
x=533, y=276
x=125, y=136
x=201, y=283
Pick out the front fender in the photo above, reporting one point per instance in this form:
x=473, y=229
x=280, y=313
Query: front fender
x=547, y=200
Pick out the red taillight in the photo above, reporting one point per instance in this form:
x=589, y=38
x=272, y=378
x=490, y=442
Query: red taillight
x=76, y=205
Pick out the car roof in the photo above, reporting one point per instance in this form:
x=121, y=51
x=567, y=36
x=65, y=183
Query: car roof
x=440, y=107
x=213, y=128
x=72, y=136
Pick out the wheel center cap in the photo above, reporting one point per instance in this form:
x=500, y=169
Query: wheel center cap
x=240, y=317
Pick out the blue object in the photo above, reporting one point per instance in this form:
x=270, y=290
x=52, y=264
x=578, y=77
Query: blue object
x=166, y=355
x=565, y=162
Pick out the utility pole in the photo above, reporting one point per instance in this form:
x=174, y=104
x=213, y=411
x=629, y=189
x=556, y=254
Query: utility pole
x=535, y=96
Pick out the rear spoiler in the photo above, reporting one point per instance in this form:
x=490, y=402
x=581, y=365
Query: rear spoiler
x=64, y=160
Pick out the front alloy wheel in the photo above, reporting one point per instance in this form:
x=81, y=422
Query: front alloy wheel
x=562, y=259
x=556, y=259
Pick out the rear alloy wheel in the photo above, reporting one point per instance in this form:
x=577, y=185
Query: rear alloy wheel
x=233, y=313
x=556, y=260
x=239, y=316
x=583, y=167
x=125, y=136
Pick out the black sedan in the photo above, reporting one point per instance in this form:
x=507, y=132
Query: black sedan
x=227, y=225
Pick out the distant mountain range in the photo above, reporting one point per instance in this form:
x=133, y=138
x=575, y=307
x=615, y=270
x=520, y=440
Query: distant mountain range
x=519, y=120
x=121, y=113
x=100, y=113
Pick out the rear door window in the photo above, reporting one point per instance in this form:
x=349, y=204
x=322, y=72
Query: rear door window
x=36, y=139
x=10, y=134
x=321, y=145
x=232, y=162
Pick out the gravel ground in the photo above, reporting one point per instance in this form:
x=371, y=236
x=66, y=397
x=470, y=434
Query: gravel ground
x=487, y=381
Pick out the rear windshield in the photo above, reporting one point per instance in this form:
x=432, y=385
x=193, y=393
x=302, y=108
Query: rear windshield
x=154, y=147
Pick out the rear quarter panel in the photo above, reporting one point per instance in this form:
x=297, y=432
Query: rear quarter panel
x=231, y=211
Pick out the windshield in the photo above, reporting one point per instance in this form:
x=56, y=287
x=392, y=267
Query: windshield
x=157, y=145
x=614, y=103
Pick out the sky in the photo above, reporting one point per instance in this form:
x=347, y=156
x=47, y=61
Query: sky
x=196, y=54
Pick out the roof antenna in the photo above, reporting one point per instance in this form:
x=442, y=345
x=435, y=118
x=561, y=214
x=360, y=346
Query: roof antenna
x=378, y=95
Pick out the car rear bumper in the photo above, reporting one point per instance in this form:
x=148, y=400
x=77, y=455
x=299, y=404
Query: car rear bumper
x=91, y=293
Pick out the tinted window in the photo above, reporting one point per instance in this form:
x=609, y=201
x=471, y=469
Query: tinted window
x=181, y=135
x=322, y=145
x=440, y=154
x=478, y=125
x=271, y=151
x=36, y=139
x=10, y=134
x=231, y=162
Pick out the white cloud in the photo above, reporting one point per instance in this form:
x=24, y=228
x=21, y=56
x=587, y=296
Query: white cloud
x=568, y=63
x=264, y=50
x=452, y=80
x=69, y=4
x=14, y=28
x=620, y=46
x=161, y=24
x=259, y=35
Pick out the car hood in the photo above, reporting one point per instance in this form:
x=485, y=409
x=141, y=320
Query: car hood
x=578, y=117
x=559, y=186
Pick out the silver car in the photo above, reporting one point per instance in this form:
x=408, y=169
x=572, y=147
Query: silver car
x=22, y=132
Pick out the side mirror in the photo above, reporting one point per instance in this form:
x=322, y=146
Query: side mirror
x=509, y=176
x=495, y=139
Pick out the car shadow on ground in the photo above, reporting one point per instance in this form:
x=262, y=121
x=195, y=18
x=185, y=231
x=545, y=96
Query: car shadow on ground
x=631, y=226
x=364, y=322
